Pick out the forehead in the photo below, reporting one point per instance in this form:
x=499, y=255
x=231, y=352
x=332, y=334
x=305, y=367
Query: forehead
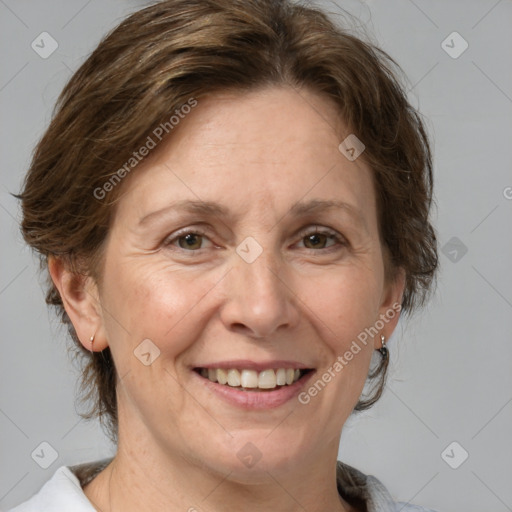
x=264, y=149
x=269, y=124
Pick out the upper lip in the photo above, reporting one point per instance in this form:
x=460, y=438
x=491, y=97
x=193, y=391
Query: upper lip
x=245, y=364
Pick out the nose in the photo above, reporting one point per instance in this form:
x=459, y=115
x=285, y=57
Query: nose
x=260, y=301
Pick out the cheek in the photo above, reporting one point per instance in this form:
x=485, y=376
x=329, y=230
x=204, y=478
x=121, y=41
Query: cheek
x=150, y=300
x=343, y=306
x=342, y=302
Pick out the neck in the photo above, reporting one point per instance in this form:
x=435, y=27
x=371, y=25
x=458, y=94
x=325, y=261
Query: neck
x=135, y=482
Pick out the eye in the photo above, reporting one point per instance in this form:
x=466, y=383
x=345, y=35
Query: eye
x=314, y=239
x=318, y=238
x=187, y=240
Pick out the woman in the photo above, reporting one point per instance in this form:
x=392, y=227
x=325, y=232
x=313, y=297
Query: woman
x=232, y=202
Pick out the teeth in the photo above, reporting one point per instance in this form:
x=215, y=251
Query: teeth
x=222, y=376
x=249, y=379
x=266, y=379
x=281, y=377
x=233, y=378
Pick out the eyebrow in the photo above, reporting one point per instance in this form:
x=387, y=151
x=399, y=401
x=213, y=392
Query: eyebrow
x=215, y=209
x=190, y=206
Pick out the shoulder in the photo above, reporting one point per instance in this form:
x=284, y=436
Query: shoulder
x=381, y=495
x=355, y=485
x=63, y=491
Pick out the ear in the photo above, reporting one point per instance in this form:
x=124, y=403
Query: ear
x=391, y=305
x=79, y=294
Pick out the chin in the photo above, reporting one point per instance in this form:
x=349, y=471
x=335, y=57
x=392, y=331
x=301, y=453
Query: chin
x=248, y=457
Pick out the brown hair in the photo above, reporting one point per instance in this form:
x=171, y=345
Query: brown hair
x=159, y=58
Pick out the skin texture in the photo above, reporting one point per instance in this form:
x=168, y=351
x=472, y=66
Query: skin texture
x=305, y=300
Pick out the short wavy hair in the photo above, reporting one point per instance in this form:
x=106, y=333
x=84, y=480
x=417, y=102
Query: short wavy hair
x=152, y=64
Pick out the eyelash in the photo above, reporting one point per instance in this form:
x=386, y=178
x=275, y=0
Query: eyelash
x=333, y=235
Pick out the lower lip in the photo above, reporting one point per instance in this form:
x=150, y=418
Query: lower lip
x=256, y=399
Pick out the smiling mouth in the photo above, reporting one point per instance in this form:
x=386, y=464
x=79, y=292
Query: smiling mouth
x=251, y=380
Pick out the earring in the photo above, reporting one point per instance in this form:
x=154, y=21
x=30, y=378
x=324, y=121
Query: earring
x=383, y=350
x=91, y=339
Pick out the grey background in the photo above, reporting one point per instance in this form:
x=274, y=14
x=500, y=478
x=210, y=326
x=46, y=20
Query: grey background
x=451, y=377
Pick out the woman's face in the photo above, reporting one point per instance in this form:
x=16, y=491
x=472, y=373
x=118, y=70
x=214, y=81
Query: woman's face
x=212, y=267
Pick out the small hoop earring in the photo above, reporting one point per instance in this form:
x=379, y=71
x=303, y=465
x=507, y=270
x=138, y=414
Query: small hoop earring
x=383, y=350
